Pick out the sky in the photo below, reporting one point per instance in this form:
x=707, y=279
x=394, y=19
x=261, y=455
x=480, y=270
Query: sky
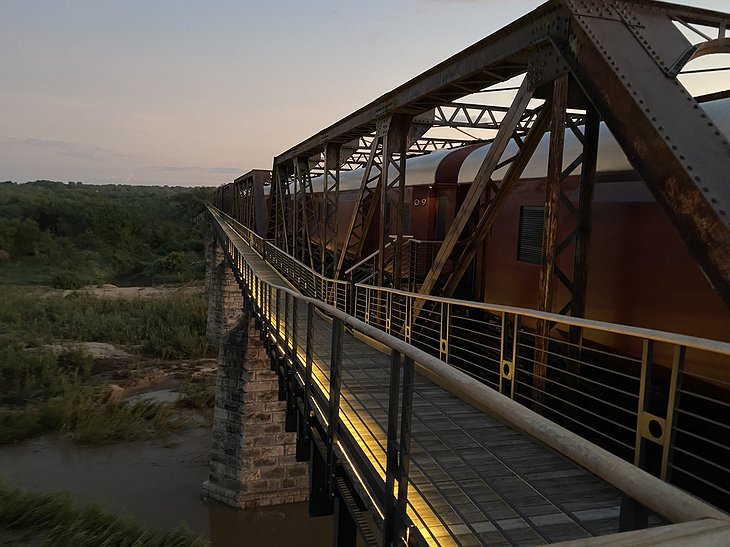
x=195, y=92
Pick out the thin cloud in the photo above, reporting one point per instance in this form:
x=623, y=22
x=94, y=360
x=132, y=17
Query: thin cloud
x=198, y=169
x=65, y=148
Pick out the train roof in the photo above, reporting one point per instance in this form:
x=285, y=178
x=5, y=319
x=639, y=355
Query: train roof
x=460, y=166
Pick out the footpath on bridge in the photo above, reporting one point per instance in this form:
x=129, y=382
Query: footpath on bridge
x=473, y=479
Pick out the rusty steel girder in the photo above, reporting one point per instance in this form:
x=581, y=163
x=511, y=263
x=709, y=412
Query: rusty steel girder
x=627, y=64
x=625, y=56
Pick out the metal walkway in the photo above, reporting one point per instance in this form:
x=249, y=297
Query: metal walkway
x=471, y=478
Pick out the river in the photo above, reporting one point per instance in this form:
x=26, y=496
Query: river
x=157, y=482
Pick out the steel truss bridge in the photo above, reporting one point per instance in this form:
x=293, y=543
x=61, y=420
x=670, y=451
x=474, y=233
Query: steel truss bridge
x=430, y=420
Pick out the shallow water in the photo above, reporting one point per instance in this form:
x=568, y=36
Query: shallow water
x=158, y=483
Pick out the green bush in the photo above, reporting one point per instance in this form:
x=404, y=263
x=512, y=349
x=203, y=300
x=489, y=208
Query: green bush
x=76, y=362
x=29, y=422
x=72, y=236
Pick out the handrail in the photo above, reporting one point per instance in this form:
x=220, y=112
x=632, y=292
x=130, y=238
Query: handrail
x=364, y=260
x=668, y=501
x=693, y=342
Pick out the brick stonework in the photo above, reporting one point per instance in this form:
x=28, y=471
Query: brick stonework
x=252, y=460
x=225, y=299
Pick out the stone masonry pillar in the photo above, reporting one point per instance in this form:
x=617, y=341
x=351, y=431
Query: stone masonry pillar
x=225, y=298
x=253, y=458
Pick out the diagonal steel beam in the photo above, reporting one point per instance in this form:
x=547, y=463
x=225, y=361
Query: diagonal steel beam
x=365, y=205
x=496, y=199
x=680, y=154
x=507, y=129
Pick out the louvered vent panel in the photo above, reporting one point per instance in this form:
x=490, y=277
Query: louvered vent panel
x=529, y=245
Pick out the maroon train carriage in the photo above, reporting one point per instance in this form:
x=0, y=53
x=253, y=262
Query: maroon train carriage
x=640, y=271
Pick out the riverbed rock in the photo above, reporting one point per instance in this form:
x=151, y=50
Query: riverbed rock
x=116, y=393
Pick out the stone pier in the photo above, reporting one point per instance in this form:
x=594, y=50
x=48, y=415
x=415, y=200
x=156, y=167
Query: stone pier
x=252, y=458
x=225, y=299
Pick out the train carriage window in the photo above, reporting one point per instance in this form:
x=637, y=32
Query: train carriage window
x=529, y=242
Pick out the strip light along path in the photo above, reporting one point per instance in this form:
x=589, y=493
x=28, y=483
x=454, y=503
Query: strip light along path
x=473, y=480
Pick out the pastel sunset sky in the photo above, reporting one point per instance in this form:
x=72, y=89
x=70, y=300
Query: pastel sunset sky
x=193, y=92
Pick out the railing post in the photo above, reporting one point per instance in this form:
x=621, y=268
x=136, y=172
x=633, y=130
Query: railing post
x=352, y=292
x=633, y=516
x=675, y=388
x=368, y=293
x=508, y=355
x=286, y=321
x=444, y=332
x=303, y=440
x=405, y=447
x=334, y=399
x=398, y=450
x=391, y=453
x=294, y=330
x=407, y=319
x=277, y=310
x=290, y=352
x=388, y=312
x=515, y=353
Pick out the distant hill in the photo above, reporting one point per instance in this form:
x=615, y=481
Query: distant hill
x=72, y=234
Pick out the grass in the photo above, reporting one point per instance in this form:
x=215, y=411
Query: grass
x=51, y=519
x=197, y=393
x=82, y=415
x=86, y=419
x=170, y=327
x=43, y=391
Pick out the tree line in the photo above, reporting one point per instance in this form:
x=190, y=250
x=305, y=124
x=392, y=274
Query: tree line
x=72, y=235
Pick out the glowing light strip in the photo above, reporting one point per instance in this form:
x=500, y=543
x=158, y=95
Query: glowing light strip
x=428, y=522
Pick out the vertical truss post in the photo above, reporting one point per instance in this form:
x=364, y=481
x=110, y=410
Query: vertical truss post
x=550, y=235
x=304, y=212
x=250, y=207
x=330, y=207
x=583, y=231
x=366, y=203
x=280, y=206
x=392, y=193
